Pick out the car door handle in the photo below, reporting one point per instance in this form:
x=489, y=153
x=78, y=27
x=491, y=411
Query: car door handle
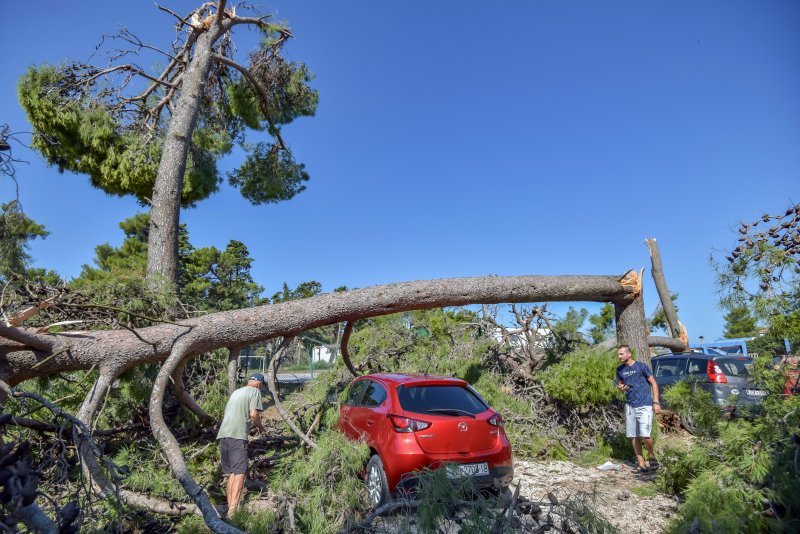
x=370, y=422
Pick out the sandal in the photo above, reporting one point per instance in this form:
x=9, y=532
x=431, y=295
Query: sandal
x=654, y=465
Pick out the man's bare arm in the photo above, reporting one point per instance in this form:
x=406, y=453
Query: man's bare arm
x=255, y=417
x=654, y=386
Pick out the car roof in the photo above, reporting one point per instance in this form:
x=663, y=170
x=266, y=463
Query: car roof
x=416, y=378
x=698, y=355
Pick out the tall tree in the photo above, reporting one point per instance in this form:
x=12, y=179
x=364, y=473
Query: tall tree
x=213, y=279
x=16, y=231
x=158, y=135
x=739, y=323
x=602, y=323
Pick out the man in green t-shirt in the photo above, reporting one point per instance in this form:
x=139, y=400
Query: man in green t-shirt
x=242, y=409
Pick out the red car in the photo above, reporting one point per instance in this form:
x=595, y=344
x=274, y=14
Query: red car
x=415, y=421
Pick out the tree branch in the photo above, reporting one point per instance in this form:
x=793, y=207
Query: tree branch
x=348, y=329
x=183, y=396
x=170, y=446
x=27, y=338
x=262, y=93
x=273, y=369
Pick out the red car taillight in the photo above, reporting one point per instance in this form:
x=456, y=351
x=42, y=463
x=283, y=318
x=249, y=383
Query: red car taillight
x=715, y=374
x=406, y=424
x=496, y=420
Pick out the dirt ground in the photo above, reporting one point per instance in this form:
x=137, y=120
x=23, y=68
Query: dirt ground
x=614, y=492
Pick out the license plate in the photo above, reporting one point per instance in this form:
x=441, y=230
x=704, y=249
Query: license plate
x=756, y=392
x=467, y=470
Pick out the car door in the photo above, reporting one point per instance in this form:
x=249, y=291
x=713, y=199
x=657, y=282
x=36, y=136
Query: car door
x=346, y=413
x=668, y=371
x=365, y=417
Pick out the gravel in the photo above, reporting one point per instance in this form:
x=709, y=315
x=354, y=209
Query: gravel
x=612, y=491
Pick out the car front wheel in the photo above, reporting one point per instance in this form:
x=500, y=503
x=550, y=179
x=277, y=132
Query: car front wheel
x=377, y=487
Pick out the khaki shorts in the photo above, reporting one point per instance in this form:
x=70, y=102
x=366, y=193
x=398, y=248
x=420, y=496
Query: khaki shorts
x=234, y=456
x=638, y=421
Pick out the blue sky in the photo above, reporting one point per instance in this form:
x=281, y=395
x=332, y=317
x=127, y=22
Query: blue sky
x=466, y=139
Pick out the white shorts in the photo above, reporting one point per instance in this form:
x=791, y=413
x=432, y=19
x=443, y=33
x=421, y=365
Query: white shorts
x=638, y=421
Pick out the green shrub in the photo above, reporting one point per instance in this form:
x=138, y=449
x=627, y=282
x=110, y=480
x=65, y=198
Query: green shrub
x=326, y=483
x=583, y=378
x=742, y=475
x=685, y=397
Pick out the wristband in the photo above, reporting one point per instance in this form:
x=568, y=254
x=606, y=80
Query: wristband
x=656, y=402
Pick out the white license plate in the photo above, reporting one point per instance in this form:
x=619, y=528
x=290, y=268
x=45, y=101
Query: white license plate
x=756, y=392
x=467, y=470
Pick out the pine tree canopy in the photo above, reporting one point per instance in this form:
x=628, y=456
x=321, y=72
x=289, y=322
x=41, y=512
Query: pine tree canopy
x=108, y=124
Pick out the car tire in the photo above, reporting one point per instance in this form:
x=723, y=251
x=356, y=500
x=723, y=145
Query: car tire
x=689, y=423
x=377, y=487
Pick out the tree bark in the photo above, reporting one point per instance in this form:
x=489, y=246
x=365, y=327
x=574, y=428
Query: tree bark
x=233, y=369
x=92, y=470
x=632, y=328
x=675, y=345
x=663, y=291
x=170, y=446
x=162, y=242
x=345, y=351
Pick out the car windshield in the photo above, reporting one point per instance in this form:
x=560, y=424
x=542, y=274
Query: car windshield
x=441, y=400
x=734, y=366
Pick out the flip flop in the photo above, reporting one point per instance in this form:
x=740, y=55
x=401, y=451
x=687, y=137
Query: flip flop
x=654, y=465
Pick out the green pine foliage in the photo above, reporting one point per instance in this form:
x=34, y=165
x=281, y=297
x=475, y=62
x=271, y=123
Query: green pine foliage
x=582, y=378
x=686, y=398
x=602, y=323
x=81, y=125
x=16, y=231
x=739, y=323
x=76, y=134
x=326, y=482
x=741, y=475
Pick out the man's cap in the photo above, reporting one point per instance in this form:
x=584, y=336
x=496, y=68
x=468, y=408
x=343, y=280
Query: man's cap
x=257, y=376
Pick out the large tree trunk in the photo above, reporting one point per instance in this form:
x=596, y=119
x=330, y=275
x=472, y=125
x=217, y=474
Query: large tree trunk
x=25, y=354
x=631, y=321
x=162, y=243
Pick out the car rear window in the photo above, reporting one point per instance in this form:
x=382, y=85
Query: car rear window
x=734, y=366
x=423, y=399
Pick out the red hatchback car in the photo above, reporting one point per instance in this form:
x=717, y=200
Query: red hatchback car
x=411, y=422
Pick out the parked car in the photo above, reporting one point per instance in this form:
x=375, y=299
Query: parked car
x=411, y=422
x=724, y=376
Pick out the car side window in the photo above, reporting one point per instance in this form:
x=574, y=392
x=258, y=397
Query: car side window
x=354, y=393
x=697, y=367
x=374, y=394
x=671, y=367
